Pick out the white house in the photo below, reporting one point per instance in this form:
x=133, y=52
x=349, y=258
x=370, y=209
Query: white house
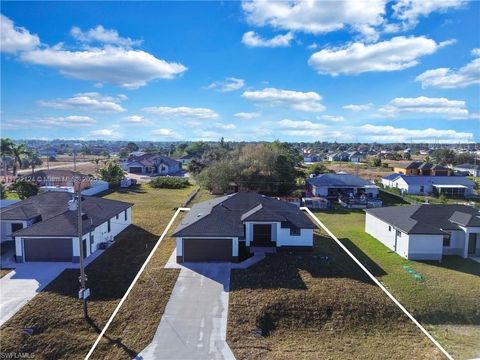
x=152, y=164
x=224, y=228
x=334, y=185
x=44, y=227
x=426, y=232
x=455, y=186
x=472, y=169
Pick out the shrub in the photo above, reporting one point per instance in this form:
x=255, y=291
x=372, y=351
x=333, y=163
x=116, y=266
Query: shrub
x=24, y=189
x=169, y=182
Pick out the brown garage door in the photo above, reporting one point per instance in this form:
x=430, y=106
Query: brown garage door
x=48, y=249
x=199, y=250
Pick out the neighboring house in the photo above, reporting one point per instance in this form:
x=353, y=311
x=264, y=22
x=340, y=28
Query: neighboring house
x=451, y=186
x=152, y=164
x=49, y=151
x=57, y=178
x=426, y=232
x=471, y=169
x=220, y=229
x=347, y=156
x=44, y=226
x=355, y=156
x=185, y=159
x=418, y=168
x=334, y=185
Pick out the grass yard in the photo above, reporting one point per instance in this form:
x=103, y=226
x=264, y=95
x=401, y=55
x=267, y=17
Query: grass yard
x=296, y=306
x=447, y=301
x=56, y=315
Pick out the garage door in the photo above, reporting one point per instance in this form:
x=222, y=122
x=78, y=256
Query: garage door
x=48, y=249
x=199, y=250
x=135, y=170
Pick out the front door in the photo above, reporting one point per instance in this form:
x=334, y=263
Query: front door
x=262, y=235
x=472, y=243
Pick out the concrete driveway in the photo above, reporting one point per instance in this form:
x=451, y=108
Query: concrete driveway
x=194, y=325
x=23, y=283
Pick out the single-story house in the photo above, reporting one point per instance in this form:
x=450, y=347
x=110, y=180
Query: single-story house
x=58, y=178
x=452, y=186
x=152, y=164
x=220, y=229
x=334, y=185
x=351, y=156
x=426, y=232
x=471, y=169
x=45, y=227
x=419, y=168
x=185, y=159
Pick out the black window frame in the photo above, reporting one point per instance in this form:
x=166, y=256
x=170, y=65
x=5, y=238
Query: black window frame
x=109, y=226
x=295, y=231
x=447, y=240
x=126, y=215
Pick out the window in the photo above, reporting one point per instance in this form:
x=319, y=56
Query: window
x=389, y=228
x=422, y=188
x=125, y=213
x=295, y=231
x=116, y=217
x=399, y=234
x=446, y=240
x=109, y=226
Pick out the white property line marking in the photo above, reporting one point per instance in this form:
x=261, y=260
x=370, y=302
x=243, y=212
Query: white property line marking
x=134, y=282
x=378, y=283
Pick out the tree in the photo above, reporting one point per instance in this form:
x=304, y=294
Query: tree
x=32, y=160
x=443, y=156
x=96, y=161
x=17, y=152
x=132, y=147
x=407, y=156
x=6, y=150
x=3, y=193
x=24, y=189
x=317, y=169
x=376, y=161
x=112, y=173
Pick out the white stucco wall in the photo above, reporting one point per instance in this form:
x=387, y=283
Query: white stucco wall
x=285, y=239
x=385, y=233
x=425, y=247
x=457, y=244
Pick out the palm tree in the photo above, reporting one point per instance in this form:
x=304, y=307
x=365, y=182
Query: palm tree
x=33, y=159
x=17, y=152
x=5, y=150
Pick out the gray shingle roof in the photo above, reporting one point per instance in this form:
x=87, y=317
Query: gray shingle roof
x=341, y=180
x=153, y=159
x=427, y=218
x=51, y=208
x=224, y=216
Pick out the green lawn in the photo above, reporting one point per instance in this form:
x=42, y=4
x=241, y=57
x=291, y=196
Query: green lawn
x=447, y=301
x=55, y=314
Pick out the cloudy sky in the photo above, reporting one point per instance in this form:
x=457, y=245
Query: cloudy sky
x=386, y=71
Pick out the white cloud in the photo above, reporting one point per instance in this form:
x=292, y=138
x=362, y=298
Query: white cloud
x=252, y=39
x=105, y=134
x=136, y=120
x=297, y=100
x=15, y=38
x=317, y=17
x=207, y=135
x=426, y=106
x=395, y=54
x=358, y=107
x=247, y=115
x=388, y=133
x=475, y=52
x=409, y=11
x=229, y=84
x=102, y=35
x=182, y=111
x=225, y=126
x=309, y=129
x=118, y=66
x=446, y=78
x=51, y=122
x=165, y=133
x=332, y=118
x=91, y=101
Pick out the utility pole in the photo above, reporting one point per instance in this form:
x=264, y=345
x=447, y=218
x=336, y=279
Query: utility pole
x=83, y=292
x=74, y=160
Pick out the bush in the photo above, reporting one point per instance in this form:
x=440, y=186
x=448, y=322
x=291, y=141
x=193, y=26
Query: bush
x=169, y=182
x=24, y=189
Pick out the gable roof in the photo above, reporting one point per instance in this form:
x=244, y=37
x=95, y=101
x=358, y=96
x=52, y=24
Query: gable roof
x=224, y=216
x=51, y=209
x=427, y=218
x=420, y=165
x=340, y=180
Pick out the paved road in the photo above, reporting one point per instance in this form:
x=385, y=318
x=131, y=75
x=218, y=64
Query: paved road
x=194, y=325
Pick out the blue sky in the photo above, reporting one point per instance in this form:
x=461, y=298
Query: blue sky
x=388, y=71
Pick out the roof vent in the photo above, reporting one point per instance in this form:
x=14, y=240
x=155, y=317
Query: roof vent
x=199, y=214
